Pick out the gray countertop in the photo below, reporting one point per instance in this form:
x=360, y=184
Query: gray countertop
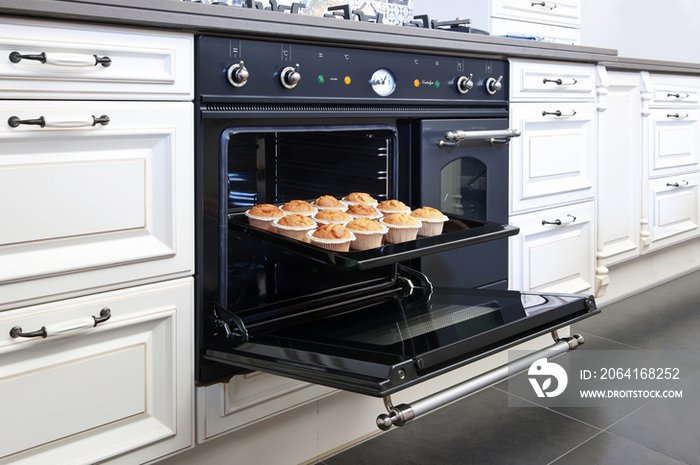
x=203, y=18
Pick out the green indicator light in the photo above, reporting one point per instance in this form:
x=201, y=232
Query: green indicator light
x=321, y=79
x=437, y=84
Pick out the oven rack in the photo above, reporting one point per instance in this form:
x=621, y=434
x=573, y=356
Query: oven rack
x=457, y=232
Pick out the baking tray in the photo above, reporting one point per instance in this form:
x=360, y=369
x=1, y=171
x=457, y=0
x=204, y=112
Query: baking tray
x=457, y=232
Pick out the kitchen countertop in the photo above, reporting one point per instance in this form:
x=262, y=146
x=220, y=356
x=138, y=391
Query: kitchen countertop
x=204, y=18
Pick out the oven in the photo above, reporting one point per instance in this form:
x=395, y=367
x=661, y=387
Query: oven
x=281, y=121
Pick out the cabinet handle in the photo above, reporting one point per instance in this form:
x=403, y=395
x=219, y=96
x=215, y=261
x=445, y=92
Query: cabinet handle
x=88, y=121
x=677, y=116
x=62, y=328
x=568, y=220
x=549, y=5
x=678, y=95
x=683, y=183
x=63, y=59
x=560, y=81
x=558, y=113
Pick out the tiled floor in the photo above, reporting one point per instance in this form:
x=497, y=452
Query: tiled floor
x=486, y=428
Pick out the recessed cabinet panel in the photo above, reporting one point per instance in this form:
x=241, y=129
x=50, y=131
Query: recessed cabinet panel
x=82, y=198
x=552, y=162
x=554, y=250
x=548, y=81
x=673, y=136
x=673, y=209
x=86, y=392
x=134, y=64
x=558, y=12
x=675, y=91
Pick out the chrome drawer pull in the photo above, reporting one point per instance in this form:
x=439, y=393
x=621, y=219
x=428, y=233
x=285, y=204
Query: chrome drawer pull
x=683, y=183
x=544, y=5
x=62, y=328
x=568, y=220
x=678, y=95
x=558, y=113
x=677, y=116
x=501, y=136
x=559, y=82
x=63, y=59
x=89, y=121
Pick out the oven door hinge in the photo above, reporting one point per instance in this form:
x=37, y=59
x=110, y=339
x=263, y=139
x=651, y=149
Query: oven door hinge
x=221, y=315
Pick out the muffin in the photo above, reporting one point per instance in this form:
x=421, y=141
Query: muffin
x=432, y=221
x=332, y=237
x=261, y=216
x=326, y=202
x=368, y=233
x=332, y=217
x=360, y=198
x=295, y=226
x=402, y=227
x=362, y=210
x=299, y=207
x=388, y=207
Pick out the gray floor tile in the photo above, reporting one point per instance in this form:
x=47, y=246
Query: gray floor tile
x=608, y=449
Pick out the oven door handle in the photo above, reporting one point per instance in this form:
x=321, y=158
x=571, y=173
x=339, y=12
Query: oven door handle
x=501, y=136
x=399, y=415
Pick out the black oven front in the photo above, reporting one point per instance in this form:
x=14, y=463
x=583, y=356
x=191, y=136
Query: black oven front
x=279, y=121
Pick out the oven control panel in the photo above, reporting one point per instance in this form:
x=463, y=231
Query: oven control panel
x=249, y=70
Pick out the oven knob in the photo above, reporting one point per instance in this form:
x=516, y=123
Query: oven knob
x=464, y=84
x=238, y=75
x=493, y=86
x=290, y=77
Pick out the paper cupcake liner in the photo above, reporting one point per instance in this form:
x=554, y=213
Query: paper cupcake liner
x=389, y=212
x=348, y=202
x=401, y=233
x=336, y=245
x=342, y=208
x=295, y=232
x=261, y=222
x=366, y=240
x=431, y=226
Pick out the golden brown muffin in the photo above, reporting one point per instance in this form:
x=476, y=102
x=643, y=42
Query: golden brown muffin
x=433, y=221
x=328, y=201
x=332, y=232
x=361, y=209
x=428, y=212
x=298, y=206
x=368, y=234
x=360, y=197
x=401, y=219
x=402, y=227
x=393, y=206
x=332, y=216
x=296, y=221
x=364, y=224
x=265, y=210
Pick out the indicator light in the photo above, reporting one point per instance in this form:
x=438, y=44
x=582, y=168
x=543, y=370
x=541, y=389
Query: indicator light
x=321, y=79
x=416, y=83
x=437, y=84
x=347, y=80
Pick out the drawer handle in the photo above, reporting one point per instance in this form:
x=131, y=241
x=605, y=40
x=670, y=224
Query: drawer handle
x=63, y=59
x=568, y=220
x=677, y=116
x=62, y=328
x=89, y=121
x=678, y=95
x=560, y=82
x=558, y=113
x=683, y=183
x=544, y=5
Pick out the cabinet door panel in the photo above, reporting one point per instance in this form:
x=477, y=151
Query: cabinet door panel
x=105, y=204
x=671, y=91
x=90, y=394
x=536, y=81
x=558, y=34
x=673, y=209
x=674, y=138
x=552, y=162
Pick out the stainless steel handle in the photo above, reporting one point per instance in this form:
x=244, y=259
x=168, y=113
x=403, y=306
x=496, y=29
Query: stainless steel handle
x=677, y=115
x=568, y=220
x=65, y=327
x=63, y=59
x=558, y=113
x=685, y=95
x=81, y=122
x=501, y=136
x=560, y=81
x=683, y=183
x=550, y=5
x=399, y=415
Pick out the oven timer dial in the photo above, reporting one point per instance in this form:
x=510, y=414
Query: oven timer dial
x=383, y=82
x=237, y=74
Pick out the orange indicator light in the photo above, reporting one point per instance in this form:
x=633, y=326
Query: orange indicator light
x=347, y=80
x=416, y=83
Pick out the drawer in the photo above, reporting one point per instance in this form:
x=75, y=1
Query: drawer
x=554, y=251
x=85, y=394
x=675, y=91
x=673, y=209
x=537, y=81
x=94, y=205
x=554, y=12
x=143, y=65
x=673, y=141
x=552, y=162
x=557, y=34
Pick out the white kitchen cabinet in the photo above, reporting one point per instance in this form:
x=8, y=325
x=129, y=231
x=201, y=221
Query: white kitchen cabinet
x=673, y=209
x=673, y=137
x=552, y=161
x=546, y=81
x=143, y=65
x=122, y=388
x=549, y=33
x=554, y=251
x=94, y=206
x=619, y=202
x=554, y=12
x=673, y=91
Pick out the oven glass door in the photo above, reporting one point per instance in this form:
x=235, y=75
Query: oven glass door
x=390, y=340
